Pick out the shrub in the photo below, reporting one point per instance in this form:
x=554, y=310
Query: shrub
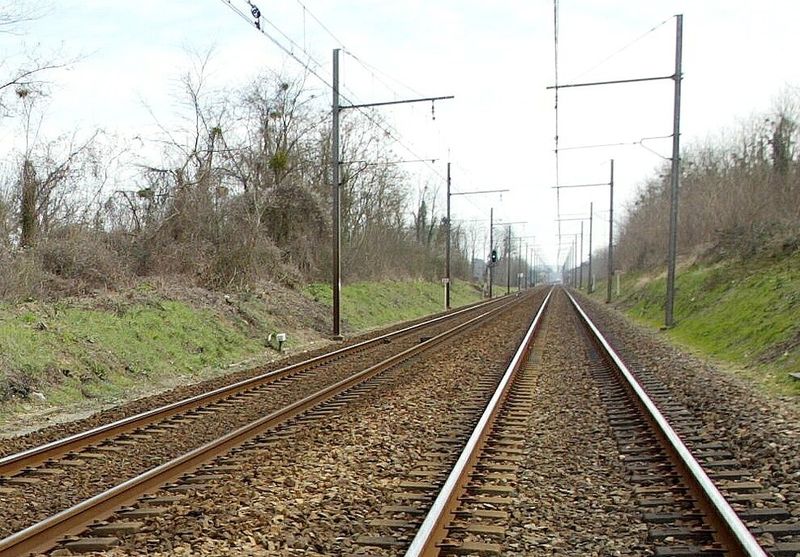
x=81, y=256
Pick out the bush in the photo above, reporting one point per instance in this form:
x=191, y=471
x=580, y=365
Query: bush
x=81, y=256
x=16, y=384
x=68, y=263
x=242, y=260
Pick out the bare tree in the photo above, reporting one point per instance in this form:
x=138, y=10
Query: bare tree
x=25, y=75
x=737, y=192
x=47, y=169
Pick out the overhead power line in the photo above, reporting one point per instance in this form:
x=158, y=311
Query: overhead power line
x=555, y=107
x=620, y=50
x=319, y=22
x=313, y=66
x=388, y=129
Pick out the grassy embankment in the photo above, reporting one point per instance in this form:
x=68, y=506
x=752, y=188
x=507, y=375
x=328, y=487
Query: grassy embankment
x=743, y=314
x=83, y=354
x=366, y=305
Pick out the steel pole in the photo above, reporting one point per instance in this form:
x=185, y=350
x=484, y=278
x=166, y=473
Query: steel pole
x=519, y=264
x=575, y=260
x=447, y=248
x=589, y=285
x=675, y=178
x=580, y=260
x=491, y=248
x=336, y=282
x=527, y=266
x=610, y=234
x=508, y=260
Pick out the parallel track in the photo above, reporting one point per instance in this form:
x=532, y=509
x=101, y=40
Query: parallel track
x=26, y=459
x=473, y=492
x=44, y=534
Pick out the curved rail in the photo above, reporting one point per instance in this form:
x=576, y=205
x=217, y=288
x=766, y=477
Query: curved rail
x=433, y=527
x=36, y=455
x=44, y=534
x=730, y=530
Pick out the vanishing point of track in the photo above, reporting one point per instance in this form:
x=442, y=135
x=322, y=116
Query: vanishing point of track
x=690, y=491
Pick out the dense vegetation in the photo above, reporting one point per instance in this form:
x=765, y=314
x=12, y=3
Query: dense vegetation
x=237, y=193
x=739, y=195
x=742, y=313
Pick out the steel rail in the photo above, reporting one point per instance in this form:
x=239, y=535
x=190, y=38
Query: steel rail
x=433, y=527
x=42, y=535
x=730, y=531
x=13, y=463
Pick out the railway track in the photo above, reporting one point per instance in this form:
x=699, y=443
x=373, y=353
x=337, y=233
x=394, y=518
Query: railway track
x=25, y=459
x=488, y=466
x=40, y=480
x=687, y=512
x=696, y=496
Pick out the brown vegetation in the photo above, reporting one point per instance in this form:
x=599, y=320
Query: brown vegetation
x=241, y=194
x=738, y=196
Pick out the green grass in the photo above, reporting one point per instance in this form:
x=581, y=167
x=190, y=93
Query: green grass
x=73, y=353
x=366, y=305
x=79, y=355
x=743, y=314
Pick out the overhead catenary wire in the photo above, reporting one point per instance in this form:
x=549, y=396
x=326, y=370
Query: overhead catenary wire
x=306, y=65
x=639, y=143
x=556, y=88
x=312, y=66
x=379, y=75
x=393, y=133
x=373, y=71
x=389, y=130
x=468, y=199
x=620, y=50
x=555, y=107
x=320, y=23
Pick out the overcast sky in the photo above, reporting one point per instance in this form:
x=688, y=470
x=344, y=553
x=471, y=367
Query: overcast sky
x=495, y=57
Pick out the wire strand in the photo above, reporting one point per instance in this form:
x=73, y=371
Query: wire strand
x=319, y=22
x=555, y=68
x=389, y=130
x=277, y=43
x=621, y=49
x=374, y=70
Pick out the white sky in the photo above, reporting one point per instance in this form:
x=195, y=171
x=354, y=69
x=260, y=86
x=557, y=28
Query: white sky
x=495, y=57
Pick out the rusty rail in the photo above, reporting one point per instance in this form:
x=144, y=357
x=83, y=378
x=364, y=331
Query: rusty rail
x=36, y=455
x=42, y=535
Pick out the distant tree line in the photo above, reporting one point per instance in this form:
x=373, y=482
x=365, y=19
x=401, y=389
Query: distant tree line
x=739, y=195
x=240, y=193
